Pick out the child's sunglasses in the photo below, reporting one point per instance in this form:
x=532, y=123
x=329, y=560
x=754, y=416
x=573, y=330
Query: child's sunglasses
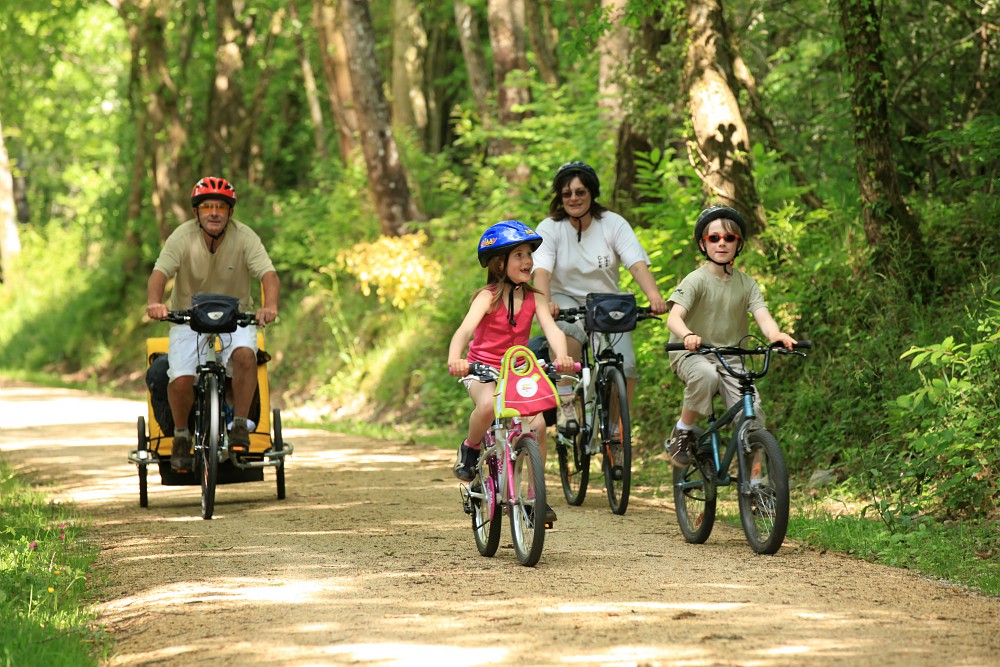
x=715, y=238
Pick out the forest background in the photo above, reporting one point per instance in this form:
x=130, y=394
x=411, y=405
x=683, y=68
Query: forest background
x=371, y=144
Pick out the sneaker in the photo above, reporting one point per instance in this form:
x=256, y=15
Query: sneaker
x=550, y=514
x=465, y=464
x=239, y=436
x=679, y=447
x=180, y=454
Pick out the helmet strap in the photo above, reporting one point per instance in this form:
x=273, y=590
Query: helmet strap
x=510, y=298
x=579, y=224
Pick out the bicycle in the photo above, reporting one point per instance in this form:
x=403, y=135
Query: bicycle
x=213, y=317
x=510, y=479
x=762, y=476
x=599, y=392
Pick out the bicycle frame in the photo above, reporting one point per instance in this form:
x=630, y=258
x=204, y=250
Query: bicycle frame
x=500, y=461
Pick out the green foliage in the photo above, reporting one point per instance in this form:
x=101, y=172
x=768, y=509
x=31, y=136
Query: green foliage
x=45, y=564
x=950, y=425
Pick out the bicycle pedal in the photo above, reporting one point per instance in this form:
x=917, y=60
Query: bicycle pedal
x=549, y=525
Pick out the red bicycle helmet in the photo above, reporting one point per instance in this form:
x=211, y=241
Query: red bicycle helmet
x=213, y=187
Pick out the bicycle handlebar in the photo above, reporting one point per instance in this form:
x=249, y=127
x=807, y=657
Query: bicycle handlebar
x=486, y=373
x=184, y=316
x=709, y=349
x=574, y=314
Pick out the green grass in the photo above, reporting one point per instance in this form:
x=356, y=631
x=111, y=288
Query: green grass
x=966, y=553
x=45, y=578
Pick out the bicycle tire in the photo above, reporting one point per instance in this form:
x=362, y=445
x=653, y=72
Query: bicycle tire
x=143, y=472
x=211, y=433
x=487, y=519
x=574, y=461
x=694, y=501
x=528, y=506
x=279, y=446
x=617, y=463
x=764, y=499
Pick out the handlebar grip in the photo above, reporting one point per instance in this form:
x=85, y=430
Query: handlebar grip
x=803, y=345
x=674, y=347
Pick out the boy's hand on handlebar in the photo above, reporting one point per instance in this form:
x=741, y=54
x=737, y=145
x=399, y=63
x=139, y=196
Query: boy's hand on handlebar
x=156, y=311
x=458, y=367
x=692, y=342
x=784, y=339
x=266, y=315
x=554, y=308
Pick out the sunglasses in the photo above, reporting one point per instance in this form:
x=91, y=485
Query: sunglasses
x=212, y=206
x=715, y=238
x=566, y=194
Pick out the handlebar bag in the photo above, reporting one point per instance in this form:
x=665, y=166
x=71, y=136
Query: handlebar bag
x=611, y=313
x=523, y=388
x=214, y=313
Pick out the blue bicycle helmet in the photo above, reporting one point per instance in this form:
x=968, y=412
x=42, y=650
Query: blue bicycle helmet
x=500, y=238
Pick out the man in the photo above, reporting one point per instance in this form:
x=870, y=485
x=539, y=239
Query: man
x=211, y=253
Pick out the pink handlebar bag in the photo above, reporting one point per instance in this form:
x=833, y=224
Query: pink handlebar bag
x=523, y=388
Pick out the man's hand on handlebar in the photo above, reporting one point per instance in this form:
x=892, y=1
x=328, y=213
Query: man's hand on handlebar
x=266, y=315
x=156, y=311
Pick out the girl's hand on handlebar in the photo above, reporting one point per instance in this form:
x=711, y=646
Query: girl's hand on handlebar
x=156, y=311
x=564, y=364
x=458, y=367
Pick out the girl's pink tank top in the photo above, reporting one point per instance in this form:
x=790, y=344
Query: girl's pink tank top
x=495, y=334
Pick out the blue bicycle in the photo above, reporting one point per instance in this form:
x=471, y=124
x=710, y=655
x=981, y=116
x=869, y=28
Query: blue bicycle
x=762, y=476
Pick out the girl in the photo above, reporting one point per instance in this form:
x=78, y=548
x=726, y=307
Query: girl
x=500, y=316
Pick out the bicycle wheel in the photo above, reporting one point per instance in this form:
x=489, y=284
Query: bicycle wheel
x=486, y=517
x=528, y=506
x=143, y=447
x=574, y=461
x=616, y=441
x=279, y=445
x=211, y=418
x=764, y=496
x=694, y=501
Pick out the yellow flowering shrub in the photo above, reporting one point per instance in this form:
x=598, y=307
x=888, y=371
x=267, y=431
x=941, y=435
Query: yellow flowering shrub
x=394, y=267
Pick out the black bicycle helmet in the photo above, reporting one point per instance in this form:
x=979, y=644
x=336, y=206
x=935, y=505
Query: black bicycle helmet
x=715, y=213
x=576, y=168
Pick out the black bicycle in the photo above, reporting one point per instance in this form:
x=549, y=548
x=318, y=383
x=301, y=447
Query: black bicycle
x=761, y=477
x=212, y=316
x=601, y=406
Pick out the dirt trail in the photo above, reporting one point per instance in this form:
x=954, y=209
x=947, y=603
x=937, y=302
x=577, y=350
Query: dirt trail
x=370, y=561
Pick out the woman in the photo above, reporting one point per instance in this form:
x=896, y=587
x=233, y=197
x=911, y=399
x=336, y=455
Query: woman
x=584, y=245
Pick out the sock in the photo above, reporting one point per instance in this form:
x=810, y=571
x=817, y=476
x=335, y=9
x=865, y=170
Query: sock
x=681, y=426
x=466, y=443
x=182, y=432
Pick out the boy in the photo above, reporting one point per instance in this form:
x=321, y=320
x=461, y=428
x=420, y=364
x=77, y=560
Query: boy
x=711, y=305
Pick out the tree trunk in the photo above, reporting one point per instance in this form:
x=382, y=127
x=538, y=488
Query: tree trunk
x=409, y=51
x=169, y=196
x=10, y=240
x=309, y=83
x=226, y=110
x=506, y=23
x=613, y=50
x=720, y=151
x=538, y=17
x=884, y=212
x=472, y=53
x=246, y=156
x=328, y=19
x=386, y=179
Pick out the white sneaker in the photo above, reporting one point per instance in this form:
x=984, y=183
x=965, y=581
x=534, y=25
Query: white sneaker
x=567, y=411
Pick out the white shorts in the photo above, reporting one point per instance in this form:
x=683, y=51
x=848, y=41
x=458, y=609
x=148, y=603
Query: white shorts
x=187, y=349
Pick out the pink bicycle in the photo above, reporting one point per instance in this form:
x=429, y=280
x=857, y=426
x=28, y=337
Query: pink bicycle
x=510, y=479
